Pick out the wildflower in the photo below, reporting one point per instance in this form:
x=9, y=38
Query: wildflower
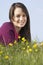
x=15, y=42
x=23, y=39
x=6, y=57
x=34, y=41
x=23, y=48
x=19, y=37
x=36, y=50
x=28, y=46
x=10, y=44
x=30, y=50
x=1, y=52
x=41, y=44
x=35, y=45
x=27, y=51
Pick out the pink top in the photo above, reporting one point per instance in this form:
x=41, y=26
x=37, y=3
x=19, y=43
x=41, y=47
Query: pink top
x=8, y=33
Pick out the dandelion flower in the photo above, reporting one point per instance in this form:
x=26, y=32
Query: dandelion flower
x=23, y=39
x=36, y=50
x=6, y=57
x=27, y=51
x=10, y=44
x=30, y=50
x=41, y=44
x=28, y=46
x=23, y=48
x=35, y=45
x=15, y=42
x=1, y=52
x=19, y=37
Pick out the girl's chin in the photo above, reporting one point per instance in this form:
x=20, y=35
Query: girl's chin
x=21, y=26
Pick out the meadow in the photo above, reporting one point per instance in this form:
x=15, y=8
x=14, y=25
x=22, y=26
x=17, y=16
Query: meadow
x=22, y=53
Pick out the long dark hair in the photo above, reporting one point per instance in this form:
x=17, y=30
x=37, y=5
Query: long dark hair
x=25, y=31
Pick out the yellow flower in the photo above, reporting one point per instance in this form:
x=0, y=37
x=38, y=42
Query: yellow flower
x=28, y=46
x=27, y=51
x=23, y=39
x=23, y=48
x=30, y=50
x=1, y=52
x=35, y=45
x=6, y=57
x=34, y=41
x=36, y=50
x=15, y=42
x=19, y=37
x=10, y=44
x=41, y=44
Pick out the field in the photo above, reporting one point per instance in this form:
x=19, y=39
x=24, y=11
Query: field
x=22, y=53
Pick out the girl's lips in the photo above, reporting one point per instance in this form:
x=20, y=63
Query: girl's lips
x=22, y=23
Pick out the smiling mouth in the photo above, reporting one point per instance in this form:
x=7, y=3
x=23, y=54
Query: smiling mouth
x=22, y=23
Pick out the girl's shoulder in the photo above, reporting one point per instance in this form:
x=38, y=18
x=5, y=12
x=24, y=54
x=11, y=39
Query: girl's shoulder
x=6, y=26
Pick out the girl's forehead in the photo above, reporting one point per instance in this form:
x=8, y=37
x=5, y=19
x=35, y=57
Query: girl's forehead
x=19, y=9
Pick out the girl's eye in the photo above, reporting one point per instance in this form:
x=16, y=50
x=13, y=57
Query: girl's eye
x=24, y=15
x=18, y=16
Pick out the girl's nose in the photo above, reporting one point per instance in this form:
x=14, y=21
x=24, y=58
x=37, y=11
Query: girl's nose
x=21, y=18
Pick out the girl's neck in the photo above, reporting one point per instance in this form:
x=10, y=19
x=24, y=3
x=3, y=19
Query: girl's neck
x=17, y=29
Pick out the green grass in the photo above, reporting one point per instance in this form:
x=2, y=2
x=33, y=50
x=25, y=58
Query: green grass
x=22, y=53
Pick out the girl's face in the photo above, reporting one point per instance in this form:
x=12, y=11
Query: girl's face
x=19, y=18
